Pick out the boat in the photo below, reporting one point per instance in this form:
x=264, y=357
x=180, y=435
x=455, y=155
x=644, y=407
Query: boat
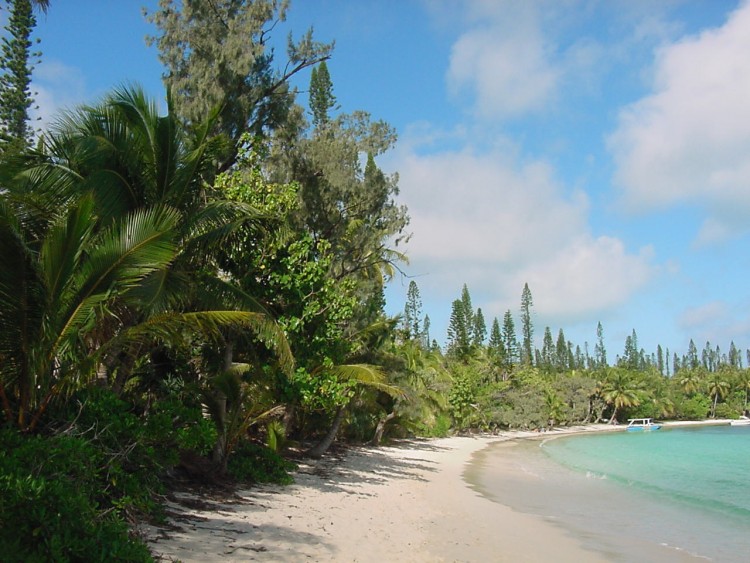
x=642, y=425
x=741, y=421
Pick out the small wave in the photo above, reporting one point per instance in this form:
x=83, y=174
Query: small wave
x=689, y=553
x=593, y=475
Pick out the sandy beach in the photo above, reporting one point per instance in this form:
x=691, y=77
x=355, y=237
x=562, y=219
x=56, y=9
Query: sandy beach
x=407, y=502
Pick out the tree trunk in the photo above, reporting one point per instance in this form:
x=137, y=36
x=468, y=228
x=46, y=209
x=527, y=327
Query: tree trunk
x=322, y=447
x=381, y=428
x=289, y=419
x=613, y=418
x=219, y=454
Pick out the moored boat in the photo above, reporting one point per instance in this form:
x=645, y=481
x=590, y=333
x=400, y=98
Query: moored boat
x=642, y=425
x=741, y=421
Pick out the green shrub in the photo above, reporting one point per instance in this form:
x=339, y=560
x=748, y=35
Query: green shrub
x=696, y=407
x=259, y=464
x=48, y=506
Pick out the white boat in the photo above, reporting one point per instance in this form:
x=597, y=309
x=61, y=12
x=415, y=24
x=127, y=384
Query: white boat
x=741, y=421
x=642, y=425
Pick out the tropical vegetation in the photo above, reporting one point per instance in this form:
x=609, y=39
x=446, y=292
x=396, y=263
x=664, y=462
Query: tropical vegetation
x=199, y=294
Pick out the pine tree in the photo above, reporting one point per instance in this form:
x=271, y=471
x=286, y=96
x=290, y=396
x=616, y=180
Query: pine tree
x=425, y=337
x=510, y=341
x=412, y=312
x=692, y=355
x=480, y=329
x=600, y=352
x=322, y=99
x=660, y=359
x=548, y=350
x=468, y=311
x=15, y=76
x=735, y=358
x=459, y=341
x=495, y=345
x=527, y=328
x=562, y=352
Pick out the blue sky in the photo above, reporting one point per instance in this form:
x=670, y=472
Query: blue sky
x=598, y=150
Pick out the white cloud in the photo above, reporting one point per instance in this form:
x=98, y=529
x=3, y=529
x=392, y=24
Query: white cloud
x=502, y=60
x=689, y=141
x=508, y=75
x=494, y=223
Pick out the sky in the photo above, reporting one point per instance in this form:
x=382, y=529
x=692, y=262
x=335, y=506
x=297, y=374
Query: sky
x=598, y=150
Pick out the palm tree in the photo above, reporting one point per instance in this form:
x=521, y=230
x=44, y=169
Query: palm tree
x=130, y=157
x=718, y=386
x=620, y=391
x=352, y=375
x=690, y=381
x=743, y=383
x=105, y=172
x=53, y=292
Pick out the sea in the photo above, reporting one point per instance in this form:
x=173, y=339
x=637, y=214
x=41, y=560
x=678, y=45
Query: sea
x=676, y=494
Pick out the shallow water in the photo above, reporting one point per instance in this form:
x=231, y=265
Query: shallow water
x=673, y=495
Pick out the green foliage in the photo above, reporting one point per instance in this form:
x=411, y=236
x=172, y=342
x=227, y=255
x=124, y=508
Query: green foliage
x=50, y=490
x=216, y=55
x=695, y=407
x=258, y=464
x=462, y=399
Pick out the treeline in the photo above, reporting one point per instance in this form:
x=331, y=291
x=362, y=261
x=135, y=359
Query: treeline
x=499, y=379
x=467, y=330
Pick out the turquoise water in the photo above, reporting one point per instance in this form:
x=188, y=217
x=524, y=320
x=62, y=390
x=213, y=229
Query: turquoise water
x=678, y=494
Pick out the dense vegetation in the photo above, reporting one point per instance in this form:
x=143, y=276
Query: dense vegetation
x=187, y=295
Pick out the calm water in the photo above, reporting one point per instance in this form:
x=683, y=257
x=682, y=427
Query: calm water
x=678, y=494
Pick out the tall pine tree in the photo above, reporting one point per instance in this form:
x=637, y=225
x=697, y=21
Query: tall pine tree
x=322, y=100
x=527, y=328
x=15, y=75
x=510, y=341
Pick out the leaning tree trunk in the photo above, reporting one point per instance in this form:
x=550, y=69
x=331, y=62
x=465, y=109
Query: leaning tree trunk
x=613, y=418
x=322, y=447
x=381, y=428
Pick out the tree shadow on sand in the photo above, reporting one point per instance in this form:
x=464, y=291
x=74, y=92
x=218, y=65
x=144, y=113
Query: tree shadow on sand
x=222, y=526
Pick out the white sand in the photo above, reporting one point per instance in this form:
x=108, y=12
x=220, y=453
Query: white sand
x=404, y=503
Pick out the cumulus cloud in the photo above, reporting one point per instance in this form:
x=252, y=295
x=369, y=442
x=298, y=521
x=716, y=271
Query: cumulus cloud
x=495, y=223
x=503, y=62
x=689, y=140
x=507, y=75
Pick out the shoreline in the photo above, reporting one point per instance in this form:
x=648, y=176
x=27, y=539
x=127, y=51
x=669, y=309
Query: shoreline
x=409, y=501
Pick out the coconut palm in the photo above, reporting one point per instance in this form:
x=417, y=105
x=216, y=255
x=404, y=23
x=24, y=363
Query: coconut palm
x=53, y=291
x=130, y=157
x=620, y=391
x=690, y=381
x=718, y=387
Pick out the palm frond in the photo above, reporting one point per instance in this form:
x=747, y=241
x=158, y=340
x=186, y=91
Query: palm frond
x=367, y=375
